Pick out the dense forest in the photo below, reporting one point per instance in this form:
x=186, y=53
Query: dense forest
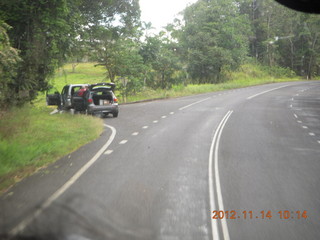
x=209, y=40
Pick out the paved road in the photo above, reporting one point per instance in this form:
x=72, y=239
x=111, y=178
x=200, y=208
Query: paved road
x=164, y=169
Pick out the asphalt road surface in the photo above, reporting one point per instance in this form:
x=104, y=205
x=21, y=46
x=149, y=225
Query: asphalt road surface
x=237, y=164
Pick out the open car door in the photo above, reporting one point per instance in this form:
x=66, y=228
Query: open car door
x=53, y=97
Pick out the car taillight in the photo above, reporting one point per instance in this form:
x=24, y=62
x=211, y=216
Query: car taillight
x=115, y=100
x=90, y=100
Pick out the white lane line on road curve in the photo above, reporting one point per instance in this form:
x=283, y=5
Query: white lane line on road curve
x=23, y=224
x=213, y=156
x=258, y=94
x=182, y=108
x=108, y=152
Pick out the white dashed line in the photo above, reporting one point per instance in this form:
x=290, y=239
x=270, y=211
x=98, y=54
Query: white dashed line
x=295, y=115
x=145, y=127
x=193, y=103
x=258, y=94
x=164, y=117
x=319, y=141
x=299, y=122
x=172, y=113
x=311, y=134
x=155, y=121
x=135, y=133
x=108, y=152
x=305, y=127
x=123, y=142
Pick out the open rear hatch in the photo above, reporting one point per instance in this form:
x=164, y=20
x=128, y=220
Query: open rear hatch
x=110, y=86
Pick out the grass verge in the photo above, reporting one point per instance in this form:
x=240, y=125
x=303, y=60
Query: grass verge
x=31, y=138
x=191, y=89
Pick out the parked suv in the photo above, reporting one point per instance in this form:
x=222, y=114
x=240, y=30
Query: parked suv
x=98, y=99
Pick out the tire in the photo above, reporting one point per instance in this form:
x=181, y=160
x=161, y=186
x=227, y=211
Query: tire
x=115, y=114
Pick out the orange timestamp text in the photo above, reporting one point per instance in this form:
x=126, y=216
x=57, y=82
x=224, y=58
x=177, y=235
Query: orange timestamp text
x=264, y=214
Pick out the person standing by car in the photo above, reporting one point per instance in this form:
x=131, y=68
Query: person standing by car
x=82, y=91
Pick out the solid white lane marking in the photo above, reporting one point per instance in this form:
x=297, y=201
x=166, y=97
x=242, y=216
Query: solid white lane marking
x=22, y=225
x=182, y=108
x=135, y=133
x=108, y=152
x=155, y=121
x=145, y=127
x=217, y=178
x=123, y=141
x=258, y=94
x=312, y=134
x=213, y=156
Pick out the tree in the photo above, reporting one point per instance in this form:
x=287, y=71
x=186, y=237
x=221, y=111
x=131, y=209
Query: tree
x=9, y=58
x=124, y=64
x=161, y=58
x=215, y=38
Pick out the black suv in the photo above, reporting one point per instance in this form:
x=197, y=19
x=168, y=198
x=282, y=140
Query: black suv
x=98, y=99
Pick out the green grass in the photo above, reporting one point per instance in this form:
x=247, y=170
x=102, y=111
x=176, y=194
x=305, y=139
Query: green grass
x=31, y=138
x=84, y=73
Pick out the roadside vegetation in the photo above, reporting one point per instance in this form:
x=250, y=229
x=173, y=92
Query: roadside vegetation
x=31, y=138
x=249, y=74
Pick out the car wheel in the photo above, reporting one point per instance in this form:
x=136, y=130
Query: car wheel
x=115, y=115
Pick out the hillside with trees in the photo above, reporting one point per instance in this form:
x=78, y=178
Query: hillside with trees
x=211, y=39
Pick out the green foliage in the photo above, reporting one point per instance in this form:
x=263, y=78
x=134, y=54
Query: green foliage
x=283, y=37
x=9, y=58
x=160, y=54
x=42, y=34
x=47, y=32
x=214, y=38
x=124, y=64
